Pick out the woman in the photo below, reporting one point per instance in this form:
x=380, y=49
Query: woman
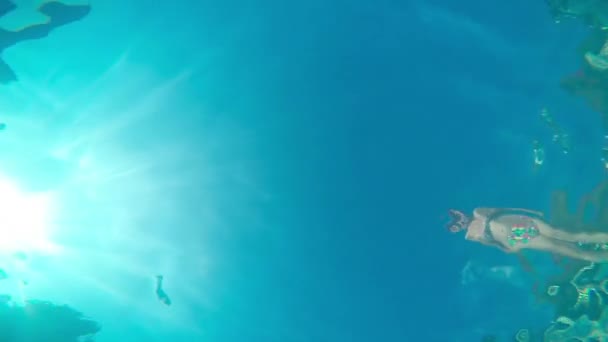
x=512, y=229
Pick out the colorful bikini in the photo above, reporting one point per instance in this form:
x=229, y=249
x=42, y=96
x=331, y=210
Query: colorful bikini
x=522, y=233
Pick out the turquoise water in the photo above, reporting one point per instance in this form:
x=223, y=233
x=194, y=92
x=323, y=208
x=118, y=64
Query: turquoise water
x=286, y=166
x=489, y=69
x=125, y=157
x=199, y=141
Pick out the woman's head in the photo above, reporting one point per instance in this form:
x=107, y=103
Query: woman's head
x=459, y=221
x=475, y=226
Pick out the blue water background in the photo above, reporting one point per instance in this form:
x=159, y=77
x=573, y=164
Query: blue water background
x=287, y=165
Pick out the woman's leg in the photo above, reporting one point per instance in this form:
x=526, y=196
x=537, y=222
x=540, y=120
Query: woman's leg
x=567, y=249
x=559, y=234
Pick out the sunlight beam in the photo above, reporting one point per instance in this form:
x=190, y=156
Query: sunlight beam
x=24, y=219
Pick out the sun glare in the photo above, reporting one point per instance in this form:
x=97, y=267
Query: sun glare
x=24, y=219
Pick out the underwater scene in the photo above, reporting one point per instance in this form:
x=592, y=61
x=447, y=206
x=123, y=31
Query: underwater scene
x=316, y=171
x=532, y=170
